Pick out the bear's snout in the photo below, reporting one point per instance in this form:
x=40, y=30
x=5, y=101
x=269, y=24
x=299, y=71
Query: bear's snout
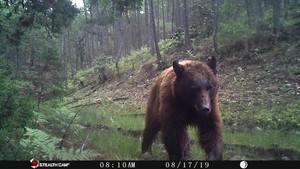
x=203, y=105
x=205, y=110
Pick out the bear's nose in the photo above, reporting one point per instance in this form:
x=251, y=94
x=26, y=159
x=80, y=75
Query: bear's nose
x=205, y=110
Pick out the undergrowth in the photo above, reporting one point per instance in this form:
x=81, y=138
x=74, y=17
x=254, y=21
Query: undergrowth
x=49, y=139
x=44, y=146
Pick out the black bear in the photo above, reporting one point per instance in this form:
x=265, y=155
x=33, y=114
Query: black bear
x=185, y=94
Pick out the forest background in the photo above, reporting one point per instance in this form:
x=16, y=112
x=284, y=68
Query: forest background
x=75, y=80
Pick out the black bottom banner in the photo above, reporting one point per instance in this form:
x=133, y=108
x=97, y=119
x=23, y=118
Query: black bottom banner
x=149, y=164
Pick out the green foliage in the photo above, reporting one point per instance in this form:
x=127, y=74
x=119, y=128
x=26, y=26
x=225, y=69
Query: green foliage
x=44, y=146
x=57, y=120
x=62, y=15
x=134, y=59
x=277, y=117
x=235, y=31
x=44, y=143
x=115, y=116
x=201, y=17
x=116, y=145
x=166, y=45
x=262, y=138
x=125, y=5
x=16, y=112
x=82, y=73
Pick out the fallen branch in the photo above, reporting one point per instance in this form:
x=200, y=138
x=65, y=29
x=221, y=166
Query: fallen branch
x=81, y=149
x=71, y=102
x=133, y=114
x=81, y=88
x=89, y=104
x=120, y=98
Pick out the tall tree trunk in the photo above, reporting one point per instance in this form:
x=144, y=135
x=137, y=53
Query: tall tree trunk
x=173, y=15
x=32, y=52
x=158, y=56
x=119, y=42
x=85, y=34
x=215, y=24
x=248, y=8
x=253, y=8
x=136, y=37
x=158, y=20
x=140, y=35
x=187, y=37
x=276, y=19
x=69, y=60
x=17, y=61
x=64, y=58
x=163, y=19
x=178, y=17
x=92, y=54
x=87, y=42
x=147, y=27
x=246, y=48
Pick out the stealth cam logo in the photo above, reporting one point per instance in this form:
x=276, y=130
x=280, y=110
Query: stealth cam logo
x=34, y=163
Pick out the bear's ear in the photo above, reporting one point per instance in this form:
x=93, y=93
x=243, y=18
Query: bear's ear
x=178, y=68
x=212, y=63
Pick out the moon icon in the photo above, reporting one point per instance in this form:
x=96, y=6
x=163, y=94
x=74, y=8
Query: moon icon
x=243, y=164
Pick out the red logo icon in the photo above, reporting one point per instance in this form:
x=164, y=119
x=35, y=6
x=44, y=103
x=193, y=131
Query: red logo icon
x=34, y=163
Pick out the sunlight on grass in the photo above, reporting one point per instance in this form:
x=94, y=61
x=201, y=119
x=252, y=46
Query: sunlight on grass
x=129, y=122
x=115, y=145
x=263, y=138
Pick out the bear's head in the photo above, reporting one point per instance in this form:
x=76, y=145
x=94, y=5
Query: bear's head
x=196, y=85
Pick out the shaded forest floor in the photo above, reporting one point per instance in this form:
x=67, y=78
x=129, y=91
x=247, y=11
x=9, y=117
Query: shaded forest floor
x=259, y=100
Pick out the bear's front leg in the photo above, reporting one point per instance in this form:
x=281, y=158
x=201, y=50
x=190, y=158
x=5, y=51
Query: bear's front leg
x=210, y=138
x=175, y=139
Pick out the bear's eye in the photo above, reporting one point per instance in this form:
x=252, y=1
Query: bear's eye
x=209, y=87
x=196, y=89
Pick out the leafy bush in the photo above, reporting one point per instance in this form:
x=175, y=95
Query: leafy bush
x=55, y=125
x=42, y=145
x=16, y=112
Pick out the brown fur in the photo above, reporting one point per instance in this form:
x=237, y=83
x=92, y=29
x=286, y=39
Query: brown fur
x=185, y=94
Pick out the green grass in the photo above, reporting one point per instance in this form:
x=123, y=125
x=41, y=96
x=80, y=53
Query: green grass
x=129, y=122
x=279, y=117
x=115, y=116
x=117, y=143
x=114, y=145
x=135, y=59
x=263, y=138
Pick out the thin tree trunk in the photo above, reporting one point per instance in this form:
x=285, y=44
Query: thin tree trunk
x=158, y=20
x=32, y=52
x=187, y=37
x=88, y=54
x=69, y=60
x=17, y=61
x=178, y=17
x=92, y=56
x=140, y=37
x=158, y=56
x=85, y=34
x=64, y=58
x=276, y=18
x=246, y=48
x=163, y=19
x=121, y=42
x=148, y=30
x=173, y=15
x=215, y=24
